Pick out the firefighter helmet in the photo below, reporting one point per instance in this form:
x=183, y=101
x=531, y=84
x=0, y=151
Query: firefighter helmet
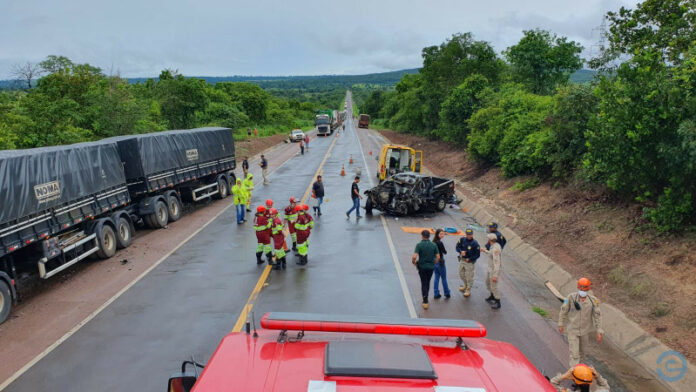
x=261, y=209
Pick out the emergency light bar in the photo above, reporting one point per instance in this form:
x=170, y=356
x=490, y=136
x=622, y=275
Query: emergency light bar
x=374, y=325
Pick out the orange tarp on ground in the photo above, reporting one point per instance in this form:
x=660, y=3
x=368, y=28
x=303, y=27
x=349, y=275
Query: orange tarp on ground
x=418, y=230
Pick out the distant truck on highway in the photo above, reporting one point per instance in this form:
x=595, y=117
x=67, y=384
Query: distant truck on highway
x=62, y=204
x=364, y=121
x=322, y=121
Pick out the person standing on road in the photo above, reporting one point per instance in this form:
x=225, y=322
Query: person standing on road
x=318, y=191
x=306, y=142
x=245, y=166
x=581, y=378
x=355, y=196
x=579, y=316
x=291, y=218
x=278, y=240
x=248, y=134
x=494, y=266
x=249, y=186
x=264, y=169
x=303, y=227
x=500, y=239
x=469, y=251
x=440, y=271
x=425, y=256
x=301, y=147
x=239, y=194
x=262, y=225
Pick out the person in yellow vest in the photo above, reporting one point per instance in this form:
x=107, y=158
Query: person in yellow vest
x=249, y=185
x=240, y=200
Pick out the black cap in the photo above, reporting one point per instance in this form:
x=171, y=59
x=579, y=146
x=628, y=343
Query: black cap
x=469, y=231
x=493, y=225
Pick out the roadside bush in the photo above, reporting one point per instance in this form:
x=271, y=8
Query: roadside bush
x=573, y=106
x=511, y=131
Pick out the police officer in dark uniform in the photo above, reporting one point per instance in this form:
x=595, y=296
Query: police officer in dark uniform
x=493, y=228
x=469, y=251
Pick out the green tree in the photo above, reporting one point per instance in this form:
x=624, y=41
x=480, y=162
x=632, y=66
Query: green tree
x=446, y=66
x=461, y=103
x=573, y=107
x=253, y=100
x=404, y=107
x=541, y=60
x=374, y=103
x=664, y=27
x=180, y=98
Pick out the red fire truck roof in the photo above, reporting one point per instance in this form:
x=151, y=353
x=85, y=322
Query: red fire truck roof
x=320, y=353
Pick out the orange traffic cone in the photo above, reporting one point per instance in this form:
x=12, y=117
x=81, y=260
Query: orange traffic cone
x=343, y=170
x=351, y=160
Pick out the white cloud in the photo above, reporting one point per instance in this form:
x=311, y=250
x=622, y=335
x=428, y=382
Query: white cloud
x=272, y=37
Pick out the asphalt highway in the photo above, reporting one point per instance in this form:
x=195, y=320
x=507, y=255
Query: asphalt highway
x=186, y=304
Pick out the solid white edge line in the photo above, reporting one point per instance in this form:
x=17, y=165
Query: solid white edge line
x=399, y=271
x=94, y=314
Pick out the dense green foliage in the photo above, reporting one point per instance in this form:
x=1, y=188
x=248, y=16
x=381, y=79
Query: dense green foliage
x=633, y=128
x=77, y=102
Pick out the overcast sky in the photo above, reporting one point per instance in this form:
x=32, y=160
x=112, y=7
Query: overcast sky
x=273, y=37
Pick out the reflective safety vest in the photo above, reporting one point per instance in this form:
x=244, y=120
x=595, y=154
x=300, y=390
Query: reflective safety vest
x=304, y=222
x=277, y=226
x=248, y=183
x=261, y=222
x=290, y=214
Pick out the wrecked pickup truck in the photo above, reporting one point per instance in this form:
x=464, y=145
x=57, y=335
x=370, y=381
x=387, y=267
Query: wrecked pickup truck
x=408, y=193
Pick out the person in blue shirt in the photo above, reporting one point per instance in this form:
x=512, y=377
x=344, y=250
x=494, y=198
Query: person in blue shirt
x=493, y=228
x=469, y=251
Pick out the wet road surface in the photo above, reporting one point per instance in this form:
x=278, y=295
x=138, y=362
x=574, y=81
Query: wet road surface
x=192, y=299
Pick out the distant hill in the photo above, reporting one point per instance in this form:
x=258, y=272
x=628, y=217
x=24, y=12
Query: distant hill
x=319, y=82
x=583, y=76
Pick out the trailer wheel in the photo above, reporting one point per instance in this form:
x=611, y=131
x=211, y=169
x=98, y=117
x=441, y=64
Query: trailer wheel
x=174, y=208
x=441, y=204
x=107, y=241
x=5, y=301
x=160, y=217
x=222, y=188
x=124, y=235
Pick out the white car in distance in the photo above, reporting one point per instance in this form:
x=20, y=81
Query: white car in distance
x=296, y=135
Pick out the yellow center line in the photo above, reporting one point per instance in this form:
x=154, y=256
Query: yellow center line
x=246, y=310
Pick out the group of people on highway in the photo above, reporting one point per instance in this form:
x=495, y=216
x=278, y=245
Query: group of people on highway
x=270, y=228
x=579, y=316
x=429, y=259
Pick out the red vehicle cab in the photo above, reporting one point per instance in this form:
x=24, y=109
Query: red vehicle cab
x=332, y=353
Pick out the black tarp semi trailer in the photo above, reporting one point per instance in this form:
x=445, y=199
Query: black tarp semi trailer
x=58, y=205
x=164, y=169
